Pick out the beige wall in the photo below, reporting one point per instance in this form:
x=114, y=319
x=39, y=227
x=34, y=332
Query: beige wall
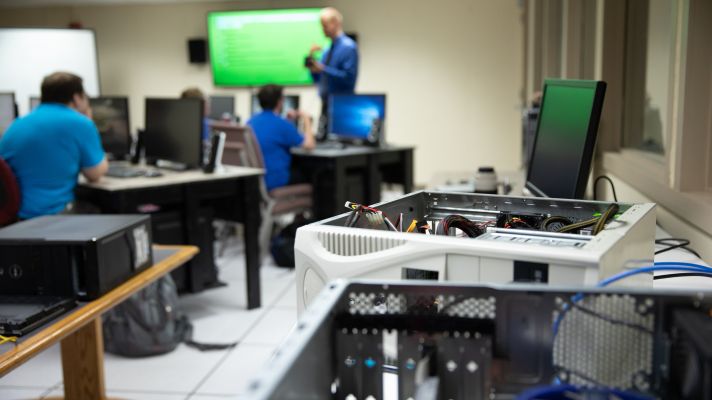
x=451, y=68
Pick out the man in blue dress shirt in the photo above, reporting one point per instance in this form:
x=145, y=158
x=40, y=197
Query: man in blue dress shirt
x=48, y=148
x=276, y=135
x=337, y=71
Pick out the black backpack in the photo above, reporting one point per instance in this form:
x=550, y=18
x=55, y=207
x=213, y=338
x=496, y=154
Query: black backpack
x=282, y=245
x=150, y=323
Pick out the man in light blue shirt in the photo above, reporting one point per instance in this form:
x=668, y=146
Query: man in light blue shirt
x=48, y=148
x=337, y=71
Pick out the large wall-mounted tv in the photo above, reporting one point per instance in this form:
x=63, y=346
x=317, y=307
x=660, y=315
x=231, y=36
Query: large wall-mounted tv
x=252, y=48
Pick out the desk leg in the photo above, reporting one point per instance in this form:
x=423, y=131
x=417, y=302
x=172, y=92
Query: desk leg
x=83, y=363
x=251, y=196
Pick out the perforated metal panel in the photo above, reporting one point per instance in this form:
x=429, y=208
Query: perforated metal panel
x=605, y=340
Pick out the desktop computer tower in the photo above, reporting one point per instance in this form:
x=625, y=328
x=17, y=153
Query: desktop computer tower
x=82, y=256
x=327, y=250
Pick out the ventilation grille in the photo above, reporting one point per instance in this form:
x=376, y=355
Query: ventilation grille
x=605, y=341
x=349, y=244
x=375, y=303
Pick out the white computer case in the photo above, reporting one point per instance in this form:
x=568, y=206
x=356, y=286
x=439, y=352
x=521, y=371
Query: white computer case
x=327, y=250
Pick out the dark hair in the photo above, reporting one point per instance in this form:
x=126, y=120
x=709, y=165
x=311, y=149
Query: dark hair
x=192, y=93
x=269, y=96
x=60, y=87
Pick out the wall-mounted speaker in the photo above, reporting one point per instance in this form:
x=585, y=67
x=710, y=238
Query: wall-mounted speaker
x=197, y=51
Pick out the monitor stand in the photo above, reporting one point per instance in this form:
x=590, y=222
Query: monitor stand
x=171, y=165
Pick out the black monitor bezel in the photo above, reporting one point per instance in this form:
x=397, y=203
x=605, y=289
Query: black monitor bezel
x=591, y=133
x=151, y=159
x=129, y=138
x=353, y=139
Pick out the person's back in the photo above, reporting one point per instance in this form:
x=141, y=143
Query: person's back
x=276, y=136
x=46, y=150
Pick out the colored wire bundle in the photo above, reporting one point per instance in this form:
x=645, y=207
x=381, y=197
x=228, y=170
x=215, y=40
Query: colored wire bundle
x=374, y=216
x=517, y=223
x=598, y=223
x=470, y=228
x=6, y=339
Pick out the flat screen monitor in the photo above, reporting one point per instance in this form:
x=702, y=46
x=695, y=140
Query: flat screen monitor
x=7, y=110
x=565, y=138
x=34, y=102
x=221, y=107
x=357, y=116
x=291, y=102
x=253, y=48
x=173, y=131
x=111, y=116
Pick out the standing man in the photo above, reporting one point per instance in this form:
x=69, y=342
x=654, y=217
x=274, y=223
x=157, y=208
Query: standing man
x=338, y=69
x=48, y=148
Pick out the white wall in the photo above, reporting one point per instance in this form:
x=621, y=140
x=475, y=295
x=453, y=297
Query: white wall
x=451, y=68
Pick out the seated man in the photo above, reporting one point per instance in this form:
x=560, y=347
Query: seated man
x=50, y=146
x=276, y=135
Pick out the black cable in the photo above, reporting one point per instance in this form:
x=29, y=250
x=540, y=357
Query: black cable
x=610, y=320
x=676, y=244
x=608, y=214
x=682, y=274
x=613, y=187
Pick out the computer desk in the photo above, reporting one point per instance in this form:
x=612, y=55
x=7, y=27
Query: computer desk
x=353, y=173
x=80, y=331
x=184, y=205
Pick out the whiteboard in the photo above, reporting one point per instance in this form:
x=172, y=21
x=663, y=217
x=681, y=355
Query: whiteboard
x=28, y=55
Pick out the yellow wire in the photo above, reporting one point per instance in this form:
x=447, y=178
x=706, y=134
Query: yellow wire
x=5, y=339
x=412, y=225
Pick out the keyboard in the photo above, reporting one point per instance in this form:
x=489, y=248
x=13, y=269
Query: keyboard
x=331, y=145
x=124, y=171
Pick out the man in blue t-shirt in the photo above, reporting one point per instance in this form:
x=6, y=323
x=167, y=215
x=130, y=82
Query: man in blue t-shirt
x=49, y=147
x=277, y=135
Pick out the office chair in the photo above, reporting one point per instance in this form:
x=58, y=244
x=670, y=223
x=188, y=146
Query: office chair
x=243, y=149
x=9, y=195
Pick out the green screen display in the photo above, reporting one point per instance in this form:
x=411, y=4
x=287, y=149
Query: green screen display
x=252, y=48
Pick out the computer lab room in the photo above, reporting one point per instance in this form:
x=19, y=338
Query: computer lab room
x=355, y=200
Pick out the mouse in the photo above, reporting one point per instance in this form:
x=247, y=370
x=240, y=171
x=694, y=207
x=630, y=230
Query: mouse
x=153, y=173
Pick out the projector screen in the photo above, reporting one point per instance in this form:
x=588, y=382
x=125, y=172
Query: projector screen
x=28, y=55
x=252, y=48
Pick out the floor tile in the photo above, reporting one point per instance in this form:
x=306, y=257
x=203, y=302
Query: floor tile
x=237, y=371
x=289, y=298
x=179, y=371
x=224, y=326
x=215, y=397
x=13, y=393
x=273, y=328
x=42, y=371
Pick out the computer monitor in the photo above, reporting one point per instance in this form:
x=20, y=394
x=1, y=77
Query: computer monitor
x=220, y=106
x=173, y=131
x=7, y=110
x=291, y=102
x=34, y=102
x=566, y=135
x=111, y=116
x=357, y=117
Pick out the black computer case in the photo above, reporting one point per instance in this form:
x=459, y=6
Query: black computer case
x=82, y=256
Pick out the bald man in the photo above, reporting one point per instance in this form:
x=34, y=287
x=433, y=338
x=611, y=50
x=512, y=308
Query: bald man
x=337, y=71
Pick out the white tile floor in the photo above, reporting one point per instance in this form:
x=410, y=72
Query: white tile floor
x=218, y=315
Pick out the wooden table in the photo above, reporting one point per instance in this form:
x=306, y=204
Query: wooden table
x=80, y=331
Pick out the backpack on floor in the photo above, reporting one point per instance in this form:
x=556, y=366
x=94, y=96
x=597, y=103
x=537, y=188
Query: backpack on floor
x=282, y=245
x=147, y=323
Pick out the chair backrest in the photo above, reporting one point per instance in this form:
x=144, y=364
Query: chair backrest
x=241, y=137
x=9, y=195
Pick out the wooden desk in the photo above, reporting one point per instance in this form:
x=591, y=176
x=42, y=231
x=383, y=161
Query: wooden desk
x=353, y=173
x=80, y=331
x=187, y=203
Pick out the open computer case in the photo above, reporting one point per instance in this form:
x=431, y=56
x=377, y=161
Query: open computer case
x=519, y=242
